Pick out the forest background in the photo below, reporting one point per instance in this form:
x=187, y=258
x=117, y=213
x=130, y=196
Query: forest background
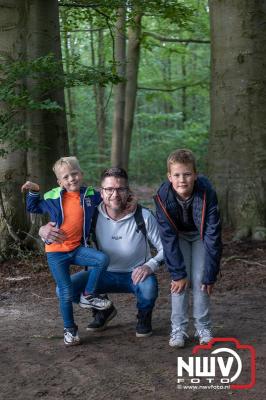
x=126, y=82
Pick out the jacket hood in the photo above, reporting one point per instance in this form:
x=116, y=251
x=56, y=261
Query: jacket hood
x=101, y=209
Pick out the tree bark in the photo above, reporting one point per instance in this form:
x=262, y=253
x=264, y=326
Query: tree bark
x=13, y=167
x=69, y=92
x=100, y=101
x=99, y=94
x=184, y=89
x=133, y=57
x=237, y=157
x=47, y=129
x=119, y=91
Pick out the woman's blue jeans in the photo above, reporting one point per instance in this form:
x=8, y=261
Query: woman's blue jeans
x=59, y=264
x=146, y=292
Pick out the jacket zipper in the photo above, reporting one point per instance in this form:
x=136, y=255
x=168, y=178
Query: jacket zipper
x=203, y=215
x=62, y=211
x=83, y=206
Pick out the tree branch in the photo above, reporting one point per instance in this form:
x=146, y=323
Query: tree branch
x=173, y=89
x=174, y=40
x=83, y=30
x=78, y=5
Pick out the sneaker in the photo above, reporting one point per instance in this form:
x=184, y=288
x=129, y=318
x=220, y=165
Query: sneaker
x=177, y=338
x=99, y=303
x=144, y=328
x=101, y=319
x=71, y=336
x=204, y=335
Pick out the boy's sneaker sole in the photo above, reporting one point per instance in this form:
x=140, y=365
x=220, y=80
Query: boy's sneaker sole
x=143, y=334
x=75, y=343
x=103, y=327
x=177, y=345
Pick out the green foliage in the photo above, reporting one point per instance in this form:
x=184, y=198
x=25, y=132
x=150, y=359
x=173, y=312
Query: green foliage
x=173, y=109
x=16, y=99
x=27, y=86
x=156, y=136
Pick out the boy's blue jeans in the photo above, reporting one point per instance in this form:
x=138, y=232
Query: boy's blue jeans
x=193, y=252
x=59, y=264
x=146, y=292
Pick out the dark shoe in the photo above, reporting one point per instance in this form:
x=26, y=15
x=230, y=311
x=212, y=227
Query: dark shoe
x=101, y=319
x=144, y=328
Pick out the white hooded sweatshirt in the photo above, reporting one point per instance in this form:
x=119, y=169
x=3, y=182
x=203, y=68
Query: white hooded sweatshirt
x=126, y=247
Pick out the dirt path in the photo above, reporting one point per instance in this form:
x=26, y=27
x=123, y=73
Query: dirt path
x=115, y=364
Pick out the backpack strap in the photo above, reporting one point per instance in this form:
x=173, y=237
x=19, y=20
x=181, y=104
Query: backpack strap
x=141, y=227
x=93, y=227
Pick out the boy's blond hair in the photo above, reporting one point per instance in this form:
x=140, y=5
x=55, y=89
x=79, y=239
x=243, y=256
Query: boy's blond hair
x=182, y=156
x=70, y=161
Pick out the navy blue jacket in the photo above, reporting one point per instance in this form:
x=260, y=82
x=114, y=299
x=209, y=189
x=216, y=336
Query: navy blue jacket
x=207, y=220
x=52, y=204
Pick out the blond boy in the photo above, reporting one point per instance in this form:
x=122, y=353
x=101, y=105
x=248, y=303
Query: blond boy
x=71, y=207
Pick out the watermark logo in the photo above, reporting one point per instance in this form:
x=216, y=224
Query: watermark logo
x=230, y=365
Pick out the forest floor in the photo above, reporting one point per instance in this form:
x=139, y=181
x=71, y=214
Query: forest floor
x=114, y=364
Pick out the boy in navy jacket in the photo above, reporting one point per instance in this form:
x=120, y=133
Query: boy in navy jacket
x=190, y=229
x=71, y=207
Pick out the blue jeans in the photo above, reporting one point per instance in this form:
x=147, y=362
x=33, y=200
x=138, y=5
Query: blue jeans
x=193, y=252
x=59, y=263
x=146, y=292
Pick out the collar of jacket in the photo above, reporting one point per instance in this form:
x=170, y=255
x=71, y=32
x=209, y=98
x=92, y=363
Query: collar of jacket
x=166, y=194
x=57, y=192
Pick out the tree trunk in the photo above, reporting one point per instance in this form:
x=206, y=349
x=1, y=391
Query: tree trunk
x=99, y=94
x=237, y=157
x=184, y=89
x=165, y=104
x=47, y=129
x=13, y=167
x=69, y=93
x=100, y=101
x=119, y=91
x=133, y=57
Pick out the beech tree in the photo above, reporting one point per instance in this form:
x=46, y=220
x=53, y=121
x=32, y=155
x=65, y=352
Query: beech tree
x=12, y=166
x=237, y=158
x=120, y=88
x=29, y=30
x=48, y=129
x=132, y=69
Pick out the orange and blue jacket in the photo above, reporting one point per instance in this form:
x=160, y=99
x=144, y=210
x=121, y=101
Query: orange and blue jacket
x=51, y=204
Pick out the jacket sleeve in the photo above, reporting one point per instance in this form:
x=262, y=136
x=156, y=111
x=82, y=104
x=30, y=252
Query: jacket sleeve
x=212, y=239
x=35, y=204
x=172, y=254
x=154, y=237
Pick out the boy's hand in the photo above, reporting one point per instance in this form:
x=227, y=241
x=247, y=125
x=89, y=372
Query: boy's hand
x=179, y=286
x=207, y=288
x=30, y=186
